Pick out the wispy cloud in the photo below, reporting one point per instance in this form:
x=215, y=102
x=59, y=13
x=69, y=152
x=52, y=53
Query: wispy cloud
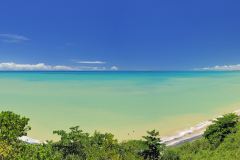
x=13, y=38
x=91, y=62
x=221, y=68
x=90, y=68
x=11, y=66
x=98, y=65
x=114, y=68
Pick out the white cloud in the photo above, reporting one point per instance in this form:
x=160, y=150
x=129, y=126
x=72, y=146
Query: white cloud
x=91, y=62
x=221, y=68
x=114, y=68
x=13, y=38
x=11, y=66
x=90, y=68
x=66, y=68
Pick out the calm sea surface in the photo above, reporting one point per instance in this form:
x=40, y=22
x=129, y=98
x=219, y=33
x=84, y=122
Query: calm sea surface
x=124, y=103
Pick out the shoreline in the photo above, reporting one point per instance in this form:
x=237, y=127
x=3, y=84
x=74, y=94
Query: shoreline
x=190, y=134
x=183, y=136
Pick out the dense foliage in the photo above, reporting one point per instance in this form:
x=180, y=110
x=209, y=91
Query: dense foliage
x=12, y=126
x=79, y=145
x=221, y=141
x=154, y=146
x=220, y=128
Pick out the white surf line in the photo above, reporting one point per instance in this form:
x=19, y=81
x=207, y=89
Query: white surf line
x=190, y=134
x=29, y=140
x=187, y=135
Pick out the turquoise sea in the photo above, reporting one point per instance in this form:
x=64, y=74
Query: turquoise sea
x=124, y=103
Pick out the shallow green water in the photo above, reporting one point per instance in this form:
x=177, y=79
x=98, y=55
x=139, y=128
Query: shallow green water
x=125, y=103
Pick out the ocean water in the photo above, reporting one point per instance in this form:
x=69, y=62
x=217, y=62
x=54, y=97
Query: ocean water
x=124, y=103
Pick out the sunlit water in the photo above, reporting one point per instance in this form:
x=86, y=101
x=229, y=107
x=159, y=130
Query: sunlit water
x=124, y=103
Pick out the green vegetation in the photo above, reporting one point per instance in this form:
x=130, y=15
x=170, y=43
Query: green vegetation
x=220, y=141
x=221, y=128
x=12, y=126
x=154, y=149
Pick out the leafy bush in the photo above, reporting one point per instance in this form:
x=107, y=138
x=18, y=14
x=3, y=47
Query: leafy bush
x=26, y=151
x=170, y=155
x=191, y=150
x=132, y=149
x=79, y=145
x=201, y=149
x=72, y=143
x=220, y=128
x=222, y=142
x=5, y=150
x=12, y=126
x=155, y=148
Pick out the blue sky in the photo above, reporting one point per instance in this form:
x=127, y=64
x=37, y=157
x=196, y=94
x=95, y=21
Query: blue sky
x=125, y=35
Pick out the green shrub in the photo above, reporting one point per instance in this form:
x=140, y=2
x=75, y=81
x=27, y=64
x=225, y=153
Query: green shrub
x=170, y=155
x=24, y=151
x=12, y=126
x=79, y=145
x=155, y=148
x=5, y=150
x=132, y=149
x=220, y=128
x=73, y=143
